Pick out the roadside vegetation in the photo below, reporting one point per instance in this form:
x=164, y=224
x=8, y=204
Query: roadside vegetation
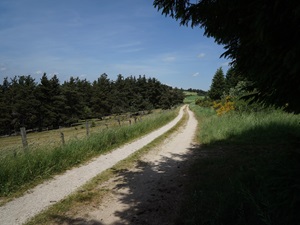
x=249, y=166
x=21, y=171
x=78, y=131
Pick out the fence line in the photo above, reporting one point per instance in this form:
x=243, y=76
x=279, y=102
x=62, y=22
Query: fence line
x=61, y=134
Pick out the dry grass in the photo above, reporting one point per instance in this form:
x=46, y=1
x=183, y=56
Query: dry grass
x=52, y=138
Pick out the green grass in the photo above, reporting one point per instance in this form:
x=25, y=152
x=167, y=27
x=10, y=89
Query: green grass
x=191, y=98
x=19, y=173
x=38, y=140
x=188, y=93
x=248, y=171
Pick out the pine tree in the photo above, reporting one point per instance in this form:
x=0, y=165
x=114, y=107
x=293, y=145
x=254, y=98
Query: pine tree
x=101, y=96
x=232, y=78
x=119, y=95
x=74, y=106
x=22, y=102
x=143, y=102
x=218, y=85
x=48, y=94
x=155, y=92
x=85, y=90
x=5, y=108
x=58, y=102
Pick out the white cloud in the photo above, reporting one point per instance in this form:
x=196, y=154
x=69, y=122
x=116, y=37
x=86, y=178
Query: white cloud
x=38, y=72
x=169, y=59
x=131, y=50
x=201, y=55
x=129, y=47
x=196, y=74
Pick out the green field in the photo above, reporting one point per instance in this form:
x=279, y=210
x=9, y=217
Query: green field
x=190, y=97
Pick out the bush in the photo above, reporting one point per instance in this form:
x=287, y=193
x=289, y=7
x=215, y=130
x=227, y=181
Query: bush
x=204, y=102
x=223, y=106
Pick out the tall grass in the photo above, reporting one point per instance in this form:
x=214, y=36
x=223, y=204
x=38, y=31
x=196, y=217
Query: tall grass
x=248, y=171
x=19, y=172
x=260, y=127
x=52, y=138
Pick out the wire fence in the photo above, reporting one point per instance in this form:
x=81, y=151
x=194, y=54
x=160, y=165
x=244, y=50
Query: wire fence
x=25, y=140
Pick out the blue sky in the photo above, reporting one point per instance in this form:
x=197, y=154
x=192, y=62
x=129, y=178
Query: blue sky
x=88, y=38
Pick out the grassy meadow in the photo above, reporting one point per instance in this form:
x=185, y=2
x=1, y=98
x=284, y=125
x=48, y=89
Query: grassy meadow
x=52, y=138
x=20, y=171
x=248, y=170
x=191, y=97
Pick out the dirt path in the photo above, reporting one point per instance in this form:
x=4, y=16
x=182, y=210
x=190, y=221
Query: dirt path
x=149, y=193
x=21, y=209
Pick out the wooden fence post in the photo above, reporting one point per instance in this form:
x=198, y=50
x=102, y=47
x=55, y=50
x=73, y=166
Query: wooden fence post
x=24, y=138
x=62, y=136
x=87, y=127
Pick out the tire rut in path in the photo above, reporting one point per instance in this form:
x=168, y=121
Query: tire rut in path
x=148, y=193
x=18, y=211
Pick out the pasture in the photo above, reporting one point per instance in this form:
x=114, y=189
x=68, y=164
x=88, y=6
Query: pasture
x=52, y=138
x=191, y=97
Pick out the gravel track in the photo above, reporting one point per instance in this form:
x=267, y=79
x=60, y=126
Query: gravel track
x=19, y=210
x=150, y=193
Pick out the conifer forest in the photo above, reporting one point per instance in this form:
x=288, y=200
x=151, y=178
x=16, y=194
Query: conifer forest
x=25, y=102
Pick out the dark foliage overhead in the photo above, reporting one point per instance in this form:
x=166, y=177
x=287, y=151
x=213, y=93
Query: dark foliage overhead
x=260, y=36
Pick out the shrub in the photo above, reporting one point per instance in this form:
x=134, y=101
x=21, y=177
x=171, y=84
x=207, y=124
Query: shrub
x=204, y=102
x=223, y=106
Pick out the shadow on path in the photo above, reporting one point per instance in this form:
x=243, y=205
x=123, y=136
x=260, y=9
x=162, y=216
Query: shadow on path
x=74, y=221
x=150, y=194
x=155, y=190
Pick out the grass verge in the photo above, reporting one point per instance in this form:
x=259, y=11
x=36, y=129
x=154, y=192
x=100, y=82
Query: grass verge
x=92, y=193
x=23, y=171
x=248, y=172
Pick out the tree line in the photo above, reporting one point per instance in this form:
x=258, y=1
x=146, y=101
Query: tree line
x=27, y=103
x=198, y=91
